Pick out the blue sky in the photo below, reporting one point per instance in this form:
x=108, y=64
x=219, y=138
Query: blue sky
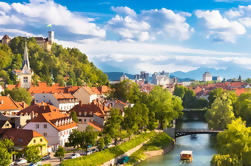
x=135, y=35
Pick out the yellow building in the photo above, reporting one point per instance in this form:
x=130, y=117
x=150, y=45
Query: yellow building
x=24, y=138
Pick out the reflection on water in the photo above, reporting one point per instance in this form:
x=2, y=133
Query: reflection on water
x=202, y=147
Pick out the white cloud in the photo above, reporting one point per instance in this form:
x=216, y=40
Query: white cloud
x=17, y=32
x=149, y=24
x=135, y=56
x=43, y=12
x=220, y=28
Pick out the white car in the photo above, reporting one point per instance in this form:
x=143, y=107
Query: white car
x=20, y=161
x=74, y=155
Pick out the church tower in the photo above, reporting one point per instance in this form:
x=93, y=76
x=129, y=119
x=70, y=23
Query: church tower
x=25, y=75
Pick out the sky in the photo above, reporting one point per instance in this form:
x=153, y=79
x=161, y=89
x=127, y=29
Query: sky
x=135, y=35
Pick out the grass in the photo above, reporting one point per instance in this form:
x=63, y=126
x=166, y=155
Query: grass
x=157, y=142
x=101, y=157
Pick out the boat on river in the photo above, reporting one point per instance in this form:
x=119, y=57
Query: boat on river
x=186, y=155
x=193, y=136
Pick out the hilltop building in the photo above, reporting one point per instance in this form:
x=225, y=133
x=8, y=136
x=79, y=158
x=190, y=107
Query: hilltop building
x=46, y=43
x=25, y=74
x=142, y=76
x=207, y=77
x=6, y=39
x=123, y=78
x=217, y=78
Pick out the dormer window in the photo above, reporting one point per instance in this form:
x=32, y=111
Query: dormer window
x=20, y=140
x=56, y=123
x=79, y=113
x=60, y=123
x=85, y=113
x=71, y=120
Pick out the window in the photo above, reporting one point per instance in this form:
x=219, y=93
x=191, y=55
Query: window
x=34, y=141
x=25, y=79
x=85, y=120
x=37, y=126
x=20, y=140
x=41, y=140
x=45, y=134
x=45, y=126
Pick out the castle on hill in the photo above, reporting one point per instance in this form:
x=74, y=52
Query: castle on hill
x=45, y=43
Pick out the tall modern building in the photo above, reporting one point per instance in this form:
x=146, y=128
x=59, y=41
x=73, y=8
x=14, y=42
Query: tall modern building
x=207, y=77
x=25, y=74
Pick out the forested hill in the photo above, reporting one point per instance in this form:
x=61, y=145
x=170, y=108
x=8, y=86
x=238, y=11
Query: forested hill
x=61, y=65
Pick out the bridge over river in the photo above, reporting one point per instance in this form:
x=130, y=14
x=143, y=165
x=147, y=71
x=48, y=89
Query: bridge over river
x=183, y=132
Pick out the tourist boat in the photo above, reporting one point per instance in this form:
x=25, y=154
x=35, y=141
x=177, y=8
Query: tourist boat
x=193, y=136
x=186, y=155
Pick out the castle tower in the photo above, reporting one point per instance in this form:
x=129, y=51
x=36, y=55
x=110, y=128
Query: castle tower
x=51, y=37
x=25, y=75
x=6, y=39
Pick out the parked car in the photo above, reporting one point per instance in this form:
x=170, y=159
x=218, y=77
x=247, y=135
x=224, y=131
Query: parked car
x=87, y=153
x=123, y=160
x=20, y=161
x=74, y=155
x=94, y=150
x=47, y=157
x=36, y=164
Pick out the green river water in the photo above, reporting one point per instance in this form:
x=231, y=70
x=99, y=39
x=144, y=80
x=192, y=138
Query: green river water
x=203, y=148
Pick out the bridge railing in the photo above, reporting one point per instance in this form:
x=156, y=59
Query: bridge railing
x=196, y=130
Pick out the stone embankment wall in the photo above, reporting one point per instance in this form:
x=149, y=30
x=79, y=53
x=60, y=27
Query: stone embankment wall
x=128, y=153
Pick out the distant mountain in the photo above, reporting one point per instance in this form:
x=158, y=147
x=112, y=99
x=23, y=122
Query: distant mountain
x=115, y=76
x=230, y=72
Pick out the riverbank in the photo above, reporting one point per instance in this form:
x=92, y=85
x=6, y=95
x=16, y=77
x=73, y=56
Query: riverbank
x=159, y=144
x=103, y=156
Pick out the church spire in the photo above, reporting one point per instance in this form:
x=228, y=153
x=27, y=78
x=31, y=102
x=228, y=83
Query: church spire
x=26, y=63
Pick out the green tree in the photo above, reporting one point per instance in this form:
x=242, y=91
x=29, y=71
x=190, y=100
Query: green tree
x=74, y=138
x=243, y=107
x=224, y=160
x=165, y=107
x=213, y=94
x=60, y=153
x=235, y=143
x=113, y=124
x=74, y=116
x=101, y=143
x=7, y=144
x=20, y=94
x=5, y=157
x=220, y=114
x=248, y=80
x=179, y=91
x=6, y=150
x=32, y=154
x=107, y=139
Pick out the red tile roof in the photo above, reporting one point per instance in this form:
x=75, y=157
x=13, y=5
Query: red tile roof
x=7, y=103
x=38, y=108
x=6, y=37
x=90, y=109
x=50, y=114
x=95, y=126
x=20, y=137
x=63, y=96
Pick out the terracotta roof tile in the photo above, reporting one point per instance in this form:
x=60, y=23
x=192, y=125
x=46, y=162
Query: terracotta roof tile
x=63, y=96
x=95, y=126
x=20, y=137
x=7, y=103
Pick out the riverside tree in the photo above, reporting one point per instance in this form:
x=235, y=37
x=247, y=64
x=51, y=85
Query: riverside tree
x=243, y=107
x=113, y=124
x=233, y=145
x=164, y=106
x=60, y=153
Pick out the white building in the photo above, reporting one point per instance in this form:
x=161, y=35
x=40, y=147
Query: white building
x=63, y=101
x=162, y=78
x=123, y=78
x=55, y=126
x=207, y=77
x=85, y=95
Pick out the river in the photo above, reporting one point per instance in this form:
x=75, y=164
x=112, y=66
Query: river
x=203, y=148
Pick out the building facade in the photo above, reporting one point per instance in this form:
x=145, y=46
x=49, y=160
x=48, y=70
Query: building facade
x=207, y=77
